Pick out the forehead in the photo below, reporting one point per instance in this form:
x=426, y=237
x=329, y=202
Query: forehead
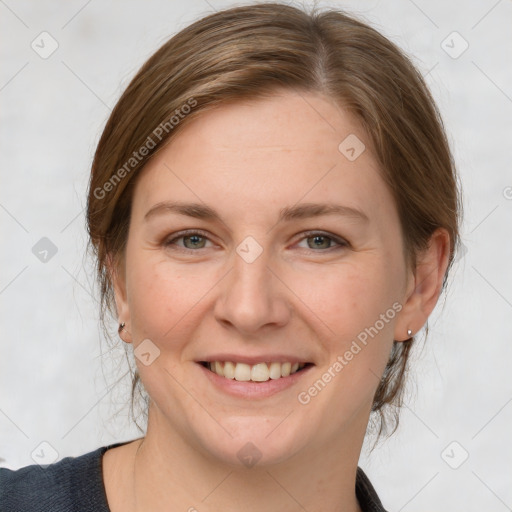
x=265, y=154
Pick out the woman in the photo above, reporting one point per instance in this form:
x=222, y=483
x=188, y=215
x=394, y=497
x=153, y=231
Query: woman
x=274, y=210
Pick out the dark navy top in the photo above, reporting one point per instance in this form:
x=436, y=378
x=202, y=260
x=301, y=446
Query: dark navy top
x=75, y=484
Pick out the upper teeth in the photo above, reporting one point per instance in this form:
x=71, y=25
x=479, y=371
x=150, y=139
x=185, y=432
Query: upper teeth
x=258, y=372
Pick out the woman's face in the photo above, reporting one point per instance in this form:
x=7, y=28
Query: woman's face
x=263, y=240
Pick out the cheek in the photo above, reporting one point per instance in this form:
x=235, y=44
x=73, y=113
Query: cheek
x=347, y=298
x=163, y=296
x=357, y=304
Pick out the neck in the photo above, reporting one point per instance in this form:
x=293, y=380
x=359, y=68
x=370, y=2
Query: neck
x=168, y=473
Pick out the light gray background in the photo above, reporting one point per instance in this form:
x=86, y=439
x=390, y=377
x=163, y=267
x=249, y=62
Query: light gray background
x=54, y=380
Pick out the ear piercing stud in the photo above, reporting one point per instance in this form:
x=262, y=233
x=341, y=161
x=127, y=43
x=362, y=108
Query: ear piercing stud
x=409, y=332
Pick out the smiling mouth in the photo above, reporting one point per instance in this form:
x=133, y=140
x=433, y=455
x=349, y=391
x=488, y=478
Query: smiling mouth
x=260, y=372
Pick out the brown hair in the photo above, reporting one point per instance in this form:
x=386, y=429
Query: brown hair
x=249, y=52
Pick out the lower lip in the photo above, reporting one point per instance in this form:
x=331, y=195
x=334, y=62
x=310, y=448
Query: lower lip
x=252, y=390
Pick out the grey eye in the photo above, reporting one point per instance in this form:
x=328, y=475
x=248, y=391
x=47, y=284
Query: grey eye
x=196, y=241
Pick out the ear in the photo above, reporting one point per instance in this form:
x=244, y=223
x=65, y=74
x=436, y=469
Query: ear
x=424, y=285
x=116, y=270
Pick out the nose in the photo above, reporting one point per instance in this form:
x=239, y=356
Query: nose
x=252, y=298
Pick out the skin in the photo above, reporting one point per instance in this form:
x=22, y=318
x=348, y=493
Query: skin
x=247, y=161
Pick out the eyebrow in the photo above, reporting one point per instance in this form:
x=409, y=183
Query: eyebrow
x=301, y=211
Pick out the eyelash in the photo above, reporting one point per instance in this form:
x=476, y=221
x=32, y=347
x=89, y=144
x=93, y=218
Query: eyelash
x=308, y=234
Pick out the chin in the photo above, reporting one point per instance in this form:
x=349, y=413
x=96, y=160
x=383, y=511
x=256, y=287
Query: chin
x=255, y=441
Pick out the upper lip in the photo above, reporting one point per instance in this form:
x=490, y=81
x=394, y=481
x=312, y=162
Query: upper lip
x=252, y=360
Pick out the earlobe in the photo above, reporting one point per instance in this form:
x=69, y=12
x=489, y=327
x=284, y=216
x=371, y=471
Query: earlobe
x=426, y=287
x=117, y=278
x=124, y=334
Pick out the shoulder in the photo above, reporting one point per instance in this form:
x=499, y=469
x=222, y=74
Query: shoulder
x=74, y=483
x=366, y=495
